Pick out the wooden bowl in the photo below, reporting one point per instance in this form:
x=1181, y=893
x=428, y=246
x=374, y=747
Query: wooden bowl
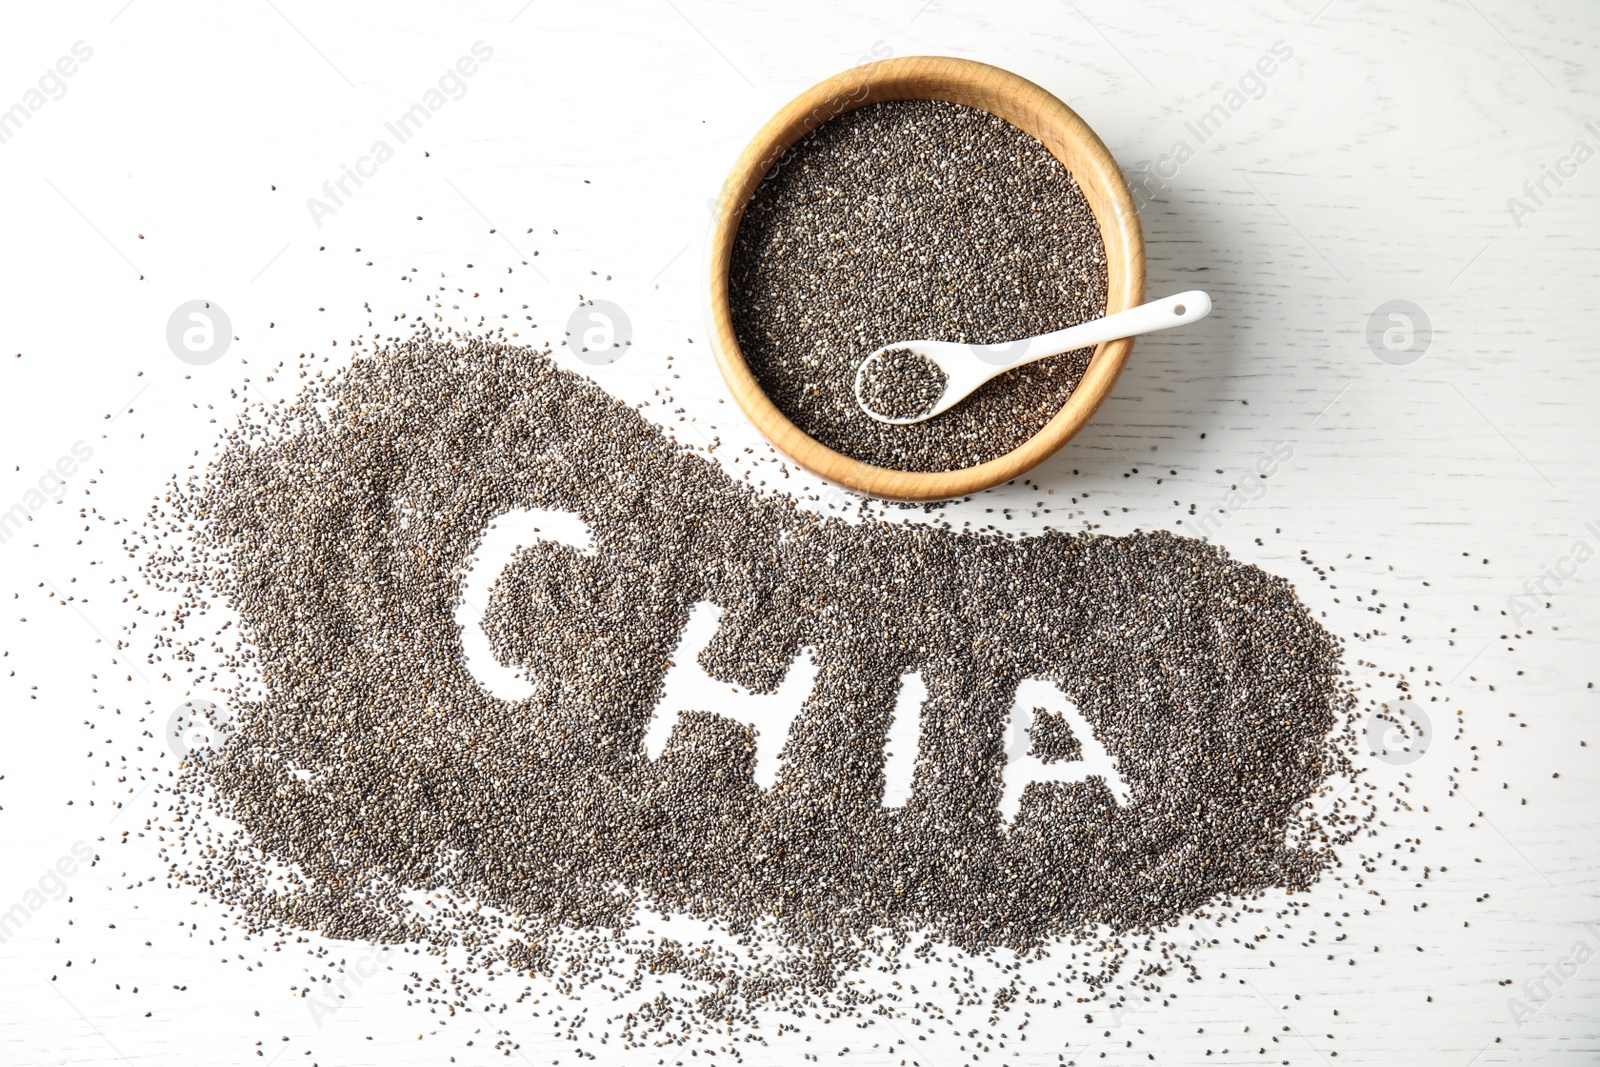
x=1030, y=109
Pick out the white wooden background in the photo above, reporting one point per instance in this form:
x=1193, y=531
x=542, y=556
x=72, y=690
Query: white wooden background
x=1376, y=165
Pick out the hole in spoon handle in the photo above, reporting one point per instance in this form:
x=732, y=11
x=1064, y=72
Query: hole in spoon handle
x=1190, y=306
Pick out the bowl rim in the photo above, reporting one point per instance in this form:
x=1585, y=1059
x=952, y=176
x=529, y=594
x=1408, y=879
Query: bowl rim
x=1018, y=101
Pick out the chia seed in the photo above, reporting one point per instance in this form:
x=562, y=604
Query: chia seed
x=367, y=765
x=914, y=220
x=902, y=384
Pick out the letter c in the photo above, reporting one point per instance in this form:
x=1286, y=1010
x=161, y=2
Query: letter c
x=504, y=537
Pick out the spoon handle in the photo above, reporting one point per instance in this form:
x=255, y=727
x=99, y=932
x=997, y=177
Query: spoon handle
x=1160, y=314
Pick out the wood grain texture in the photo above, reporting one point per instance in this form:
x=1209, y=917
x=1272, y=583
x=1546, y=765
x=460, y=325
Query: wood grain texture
x=1027, y=107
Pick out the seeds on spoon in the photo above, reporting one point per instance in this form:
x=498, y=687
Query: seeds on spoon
x=902, y=383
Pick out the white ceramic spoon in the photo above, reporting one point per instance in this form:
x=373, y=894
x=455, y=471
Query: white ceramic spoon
x=966, y=367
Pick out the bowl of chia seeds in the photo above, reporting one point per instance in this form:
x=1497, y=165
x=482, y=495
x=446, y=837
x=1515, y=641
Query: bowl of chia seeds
x=920, y=198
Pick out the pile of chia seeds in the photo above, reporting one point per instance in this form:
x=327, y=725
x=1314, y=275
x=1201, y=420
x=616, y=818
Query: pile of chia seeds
x=902, y=384
x=914, y=220
x=367, y=769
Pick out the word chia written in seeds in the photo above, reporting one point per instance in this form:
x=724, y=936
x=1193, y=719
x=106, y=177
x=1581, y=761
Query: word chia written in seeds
x=1178, y=704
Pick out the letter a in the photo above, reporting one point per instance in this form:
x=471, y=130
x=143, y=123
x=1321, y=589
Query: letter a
x=1024, y=768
